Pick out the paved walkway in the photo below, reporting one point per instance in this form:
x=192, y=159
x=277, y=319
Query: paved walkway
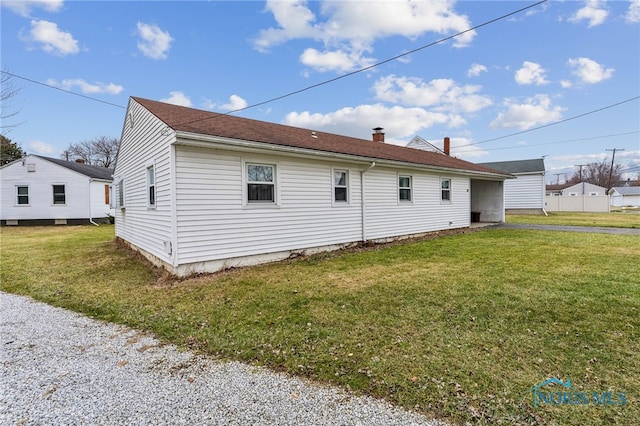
x=564, y=228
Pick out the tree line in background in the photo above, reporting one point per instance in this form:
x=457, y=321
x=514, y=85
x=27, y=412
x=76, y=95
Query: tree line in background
x=604, y=173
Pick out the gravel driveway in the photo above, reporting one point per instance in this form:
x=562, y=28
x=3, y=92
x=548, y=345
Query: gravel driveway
x=57, y=367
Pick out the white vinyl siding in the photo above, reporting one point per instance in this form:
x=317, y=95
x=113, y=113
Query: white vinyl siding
x=147, y=142
x=213, y=223
x=386, y=218
x=525, y=192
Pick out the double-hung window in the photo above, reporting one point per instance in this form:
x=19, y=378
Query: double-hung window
x=59, y=195
x=404, y=188
x=22, y=195
x=445, y=189
x=340, y=186
x=261, y=185
x=151, y=186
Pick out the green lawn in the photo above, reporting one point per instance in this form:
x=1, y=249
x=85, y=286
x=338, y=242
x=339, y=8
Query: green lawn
x=627, y=219
x=459, y=327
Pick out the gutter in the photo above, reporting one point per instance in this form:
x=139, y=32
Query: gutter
x=90, y=218
x=362, y=199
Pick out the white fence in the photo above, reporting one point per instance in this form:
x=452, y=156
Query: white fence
x=578, y=203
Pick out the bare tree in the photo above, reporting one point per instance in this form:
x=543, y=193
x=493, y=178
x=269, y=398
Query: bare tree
x=100, y=151
x=8, y=92
x=598, y=173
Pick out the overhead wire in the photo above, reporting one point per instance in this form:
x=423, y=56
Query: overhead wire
x=61, y=89
x=377, y=64
x=564, y=141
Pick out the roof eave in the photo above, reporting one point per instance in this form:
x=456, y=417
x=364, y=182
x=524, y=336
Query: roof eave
x=209, y=141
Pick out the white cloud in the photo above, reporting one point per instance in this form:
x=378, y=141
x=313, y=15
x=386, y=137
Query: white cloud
x=565, y=84
x=52, y=39
x=535, y=111
x=633, y=13
x=440, y=94
x=399, y=123
x=87, y=88
x=177, y=98
x=475, y=70
x=462, y=148
x=337, y=60
x=24, y=7
x=589, y=71
x=235, y=103
x=530, y=73
x=154, y=42
x=593, y=11
x=209, y=104
x=41, y=148
x=350, y=27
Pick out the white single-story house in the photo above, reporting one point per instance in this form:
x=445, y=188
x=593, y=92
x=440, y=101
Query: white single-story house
x=197, y=191
x=38, y=190
x=526, y=194
x=584, y=188
x=625, y=196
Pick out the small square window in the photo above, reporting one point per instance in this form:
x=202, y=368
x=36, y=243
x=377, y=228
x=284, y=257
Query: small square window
x=340, y=186
x=59, y=196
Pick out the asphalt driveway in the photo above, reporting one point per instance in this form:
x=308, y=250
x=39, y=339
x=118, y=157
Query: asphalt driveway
x=565, y=228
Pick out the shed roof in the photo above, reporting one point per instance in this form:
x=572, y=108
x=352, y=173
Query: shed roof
x=535, y=165
x=627, y=190
x=208, y=123
x=94, y=172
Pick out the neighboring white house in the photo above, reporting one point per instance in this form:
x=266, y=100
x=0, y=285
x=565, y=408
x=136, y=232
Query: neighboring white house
x=526, y=194
x=584, y=188
x=39, y=190
x=197, y=191
x=625, y=196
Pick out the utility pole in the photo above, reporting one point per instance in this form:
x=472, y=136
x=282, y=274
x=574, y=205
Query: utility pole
x=581, y=166
x=557, y=175
x=613, y=158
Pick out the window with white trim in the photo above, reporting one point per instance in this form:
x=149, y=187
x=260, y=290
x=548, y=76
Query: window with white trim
x=22, y=195
x=261, y=183
x=340, y=186
x=117, y=193
x=151, y=186
x=59, y=195
x=445, y=189
x=404, y=188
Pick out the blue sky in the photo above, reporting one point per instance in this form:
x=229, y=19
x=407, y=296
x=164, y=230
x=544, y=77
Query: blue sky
x=490, y=90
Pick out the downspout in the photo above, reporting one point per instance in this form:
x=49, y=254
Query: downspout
x=90, y=218
x=362, y=199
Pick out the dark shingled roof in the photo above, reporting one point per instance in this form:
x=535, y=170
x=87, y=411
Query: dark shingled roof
x=518, y=166
x=93, y=172
x=214, y=124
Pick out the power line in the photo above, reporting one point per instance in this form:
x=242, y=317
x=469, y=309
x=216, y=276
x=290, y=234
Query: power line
x=62, y=90
x=322, y=83
x=564, y=141
x=556, y=122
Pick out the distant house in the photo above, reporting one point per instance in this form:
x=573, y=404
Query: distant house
x=584, y=188
x=39, y=190
x=625, y=196
x=526, y=194
x=197, y=191
x=555, y=190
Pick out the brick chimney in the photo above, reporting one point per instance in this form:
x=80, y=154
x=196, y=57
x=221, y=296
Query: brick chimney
x=378, y=135
x=447, y=145
x=80, y=160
